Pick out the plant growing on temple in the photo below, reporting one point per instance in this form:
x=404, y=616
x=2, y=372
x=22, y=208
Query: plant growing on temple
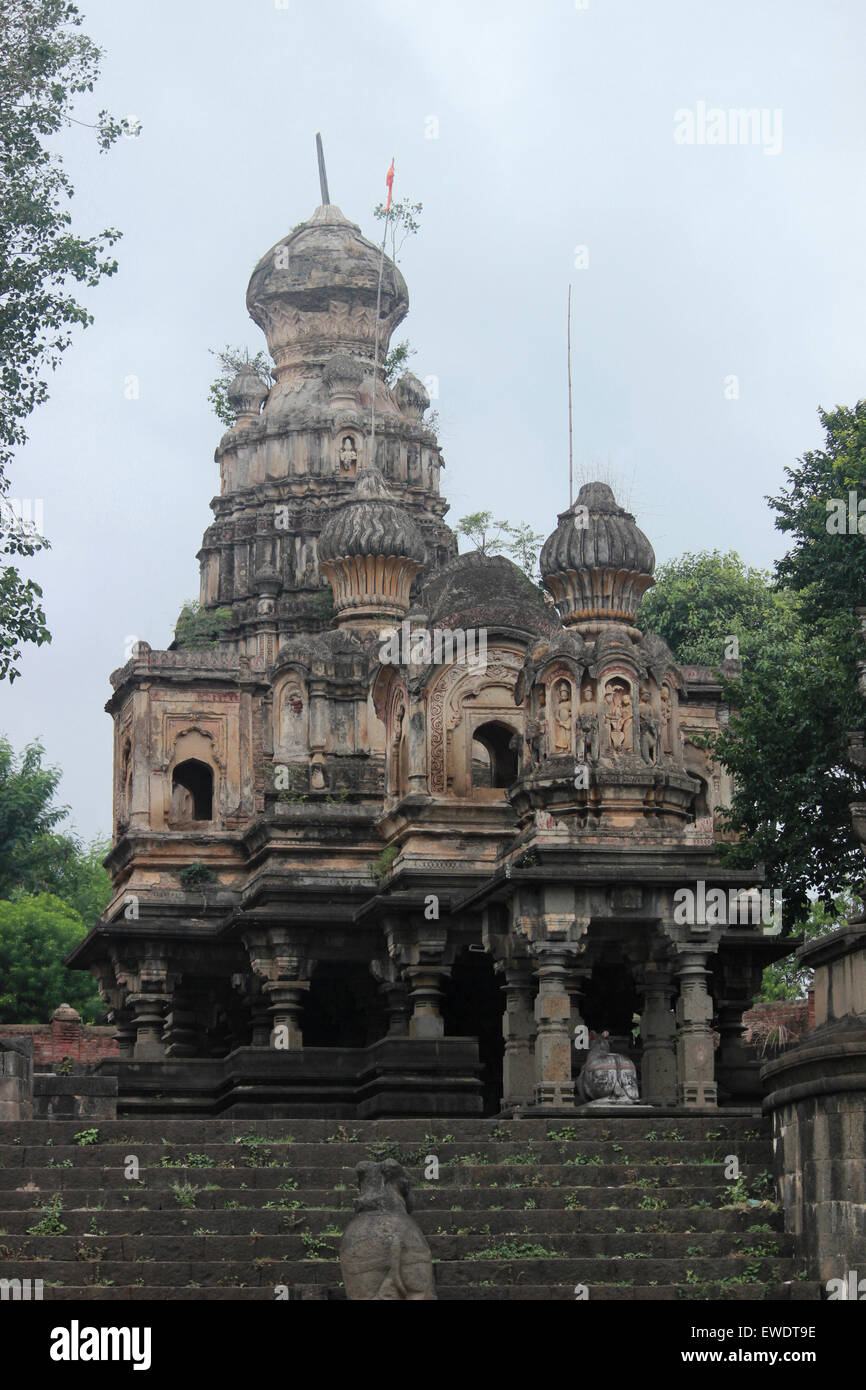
x=403, y=220
x=396, y=361
x=46, y=66
x=231, y=361
x=195, y=875
x=199, y=629
x=490, y=537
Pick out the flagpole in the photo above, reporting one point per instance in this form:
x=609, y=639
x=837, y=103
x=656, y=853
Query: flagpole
x=376, y=339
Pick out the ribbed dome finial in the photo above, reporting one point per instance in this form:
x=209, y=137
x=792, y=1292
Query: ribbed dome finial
x=597, y=564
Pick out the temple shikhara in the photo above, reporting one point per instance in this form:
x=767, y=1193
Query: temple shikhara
x=410, y=821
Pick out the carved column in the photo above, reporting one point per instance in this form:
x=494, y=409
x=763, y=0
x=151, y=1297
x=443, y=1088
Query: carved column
x=554, y=1085
x=395, y=992
x=181, y=1028
x=318, y=732
x=695, y=1056
x=426, y=984
x=286, y=1005
x=148, y=1021
x=518, y=1029
x=658, y=1033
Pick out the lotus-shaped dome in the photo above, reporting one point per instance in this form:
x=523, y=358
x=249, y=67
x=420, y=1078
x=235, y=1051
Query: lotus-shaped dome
x=314, y=293
x=370, y=551
x=370, y=522
x=597, y=564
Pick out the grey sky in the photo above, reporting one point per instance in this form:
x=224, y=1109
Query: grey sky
x=555, y=131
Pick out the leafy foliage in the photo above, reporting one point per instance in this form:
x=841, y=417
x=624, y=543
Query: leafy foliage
x=403, y=220
x=231, y=361
x=490, y=537
x=36, y=932
x=45, y=66
x=396, y=360
x=199, y=629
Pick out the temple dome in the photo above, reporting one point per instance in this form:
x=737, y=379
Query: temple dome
x=597, y=564
x=370, y=522
x=370, y=550
x=314, y=292
x=475, y=591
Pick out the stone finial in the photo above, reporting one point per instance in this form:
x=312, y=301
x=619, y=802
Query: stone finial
x=597, y=564
x=245, y=394
x=412, y=396
x=66, y=1014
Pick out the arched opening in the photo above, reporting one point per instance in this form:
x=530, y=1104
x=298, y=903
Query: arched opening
x=192, y=791
x=496, y=748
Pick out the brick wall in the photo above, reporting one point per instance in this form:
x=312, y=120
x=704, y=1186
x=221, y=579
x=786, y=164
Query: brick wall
x=797, y=1015
x=64, y=1036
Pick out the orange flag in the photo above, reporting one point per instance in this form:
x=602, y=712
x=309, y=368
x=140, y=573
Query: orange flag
x=389, y=179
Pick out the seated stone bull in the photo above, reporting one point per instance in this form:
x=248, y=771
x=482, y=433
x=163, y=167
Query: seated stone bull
x=606, y=1078
x=383, y=1253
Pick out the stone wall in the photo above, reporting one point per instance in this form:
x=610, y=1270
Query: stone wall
x=816, y=1095
x=797, y=1016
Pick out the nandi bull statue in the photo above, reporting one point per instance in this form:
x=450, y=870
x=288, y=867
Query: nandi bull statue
x=383, y=1254
x=606, y=1078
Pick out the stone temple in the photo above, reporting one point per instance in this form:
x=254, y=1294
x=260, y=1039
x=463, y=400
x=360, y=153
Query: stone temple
x=412, y=820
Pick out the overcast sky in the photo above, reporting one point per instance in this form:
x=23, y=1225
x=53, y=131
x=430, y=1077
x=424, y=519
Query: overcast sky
x=719, y=296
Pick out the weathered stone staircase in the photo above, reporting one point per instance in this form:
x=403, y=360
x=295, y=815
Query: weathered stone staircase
x=630, y=1207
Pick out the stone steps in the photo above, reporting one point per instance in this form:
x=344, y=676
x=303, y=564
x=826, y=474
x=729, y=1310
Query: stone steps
x=632, y=1207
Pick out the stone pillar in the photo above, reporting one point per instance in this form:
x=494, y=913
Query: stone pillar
x=426, y=982
x=148, y=1021
x=518, y=1029
x=658, y=1033
x=554, y=1084
x=260, y=1019
x=286, y=1006
x=395, y=992
x=695, y=1054
x=318, y=733
x=181, y=1029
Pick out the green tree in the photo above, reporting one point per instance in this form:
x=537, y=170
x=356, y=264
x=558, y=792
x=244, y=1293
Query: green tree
x=477, y=528
x=36, y=933
x=699, y=602
x=26, y=811
x=403, y=219
x=46, y=65
x=35, y=857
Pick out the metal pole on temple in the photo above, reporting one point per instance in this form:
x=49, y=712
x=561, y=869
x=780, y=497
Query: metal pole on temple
x=389, y=180
x=323, y=177
x=570, y=430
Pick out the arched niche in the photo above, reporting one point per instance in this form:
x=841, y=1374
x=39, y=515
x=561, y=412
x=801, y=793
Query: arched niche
x=494, y=756
x=460, y=699
x=192, y=792
x=193, y=782
x=618, y=710
x=291, y=717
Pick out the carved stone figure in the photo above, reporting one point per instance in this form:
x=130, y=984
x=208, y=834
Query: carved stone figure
x=619, y=717
x=348, y=455
x=562, y=723
x=383, y=1254
x=587, y=728
x=535, y=731
x=649, y=729
x=606, y=1078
